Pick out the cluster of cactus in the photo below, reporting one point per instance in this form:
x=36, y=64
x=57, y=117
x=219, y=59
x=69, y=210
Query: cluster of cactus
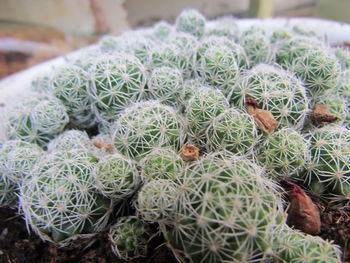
x=100, y=144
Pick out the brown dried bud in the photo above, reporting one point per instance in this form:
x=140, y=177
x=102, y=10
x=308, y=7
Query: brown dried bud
x=263, y=118
x=106, y=146
x=189, y=153
x=320, y=115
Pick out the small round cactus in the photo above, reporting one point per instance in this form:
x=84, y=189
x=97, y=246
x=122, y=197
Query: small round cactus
x=60, y=201
x=129, y=237
x=116, y=176
x=161, y=31
x=70, y=140
x=156, y=201
x=295, y=247
x=116, y=82
x=226, y=212
x=225, y=26
x=218, y=68
x=8, y=190
x=109, y=44
x=161, y=163
x=233, y=131
x=165, y=85
x=201, y=110
x=191, y=21
x=343, y=56
x=276, y=91
x=18, y=159
x=283, y=153
x=329, y=164
x=145, y=126
x=42, y=83
x=70, y=85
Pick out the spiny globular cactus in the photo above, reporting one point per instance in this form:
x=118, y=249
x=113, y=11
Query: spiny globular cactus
x=161, y=163
x=145, y=126
x=233, y=131
x=191, y=21
x=226, y=212
x=129, y=237
x=60, y=200
x=276, y=91
x=283, y=153
x=70, y=140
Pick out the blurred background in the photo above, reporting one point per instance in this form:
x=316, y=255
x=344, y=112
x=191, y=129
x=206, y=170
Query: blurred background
x=32, y=31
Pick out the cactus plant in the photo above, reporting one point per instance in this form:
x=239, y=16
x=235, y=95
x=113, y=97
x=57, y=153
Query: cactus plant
x=190, y=21
x=59, y=201
x=233, y=131
x=116, y=176
x=224, y=26
x=283, y=153
x=343, y=56
x=129, y=237
x=147, y=125
x=226, y=212
x=8, y=190
x=276, y=91
x=161, y=163
x=70, y=140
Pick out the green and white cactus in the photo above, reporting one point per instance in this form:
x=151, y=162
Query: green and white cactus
x=276, y=91
x=233, y=131
x=201, y=111
x=165, y=85
x=191, y=21
x=343, y=56
x=116, y=82
x=147, y=125
x=59, y=200
x=225, y=26
x=294, y=247
x=161, y=163
x=129, y=237
x=283, y=153
x=226, y=212
x=116, y=176
x=70, y=140
x=8, y=191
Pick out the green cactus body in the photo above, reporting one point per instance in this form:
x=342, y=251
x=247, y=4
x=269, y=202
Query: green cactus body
x=161, y=163
x=116, y=176
x=218, y=68
x=201, y=110
x=283, y=153
x=343, y=56
x=42, y=83
x=191, y=21
x=145, y=126
x=129, y=237
x=8, y=191
x=70, y=85
x=156, y=201
x=70, y=140
x=329, y=164
x=116, y=82
x=18, y=159
x=257, y=47
x=280, y=35
x=295, y=247
x=233, y=131
x=318, y=69
x=165, y=85
x=59, y=201
x=276, y=91
x=226, y=212
x=161, y=31
x=109, y=44
x=225, y=26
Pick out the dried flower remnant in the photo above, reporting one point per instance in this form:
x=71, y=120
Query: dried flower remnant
x=320, y=115
x=302, y=213
x=106, y=146
x=189, y=153
x=264, y=119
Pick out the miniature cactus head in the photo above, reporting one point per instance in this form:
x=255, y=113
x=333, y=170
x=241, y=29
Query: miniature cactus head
x=70, y=140
x=226, y=211
x=276, y=91
x=161, y=163
x=225, y=26
x=8, y=190
x=109, y=44
x=116, y=82
x=282, y=153
x=129, y=237
x=233, y=131
x=116, y=176
x=156, y=201
x=191, y=21
x=147, y=125
x=161, y=31
x=165, y=85
x=343, y=56
x=60, y=201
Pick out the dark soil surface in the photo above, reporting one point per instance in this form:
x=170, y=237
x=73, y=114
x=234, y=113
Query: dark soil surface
x=17, y=246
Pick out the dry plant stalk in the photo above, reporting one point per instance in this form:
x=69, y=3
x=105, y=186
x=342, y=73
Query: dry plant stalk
x=320, y=115
x=106, y=146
